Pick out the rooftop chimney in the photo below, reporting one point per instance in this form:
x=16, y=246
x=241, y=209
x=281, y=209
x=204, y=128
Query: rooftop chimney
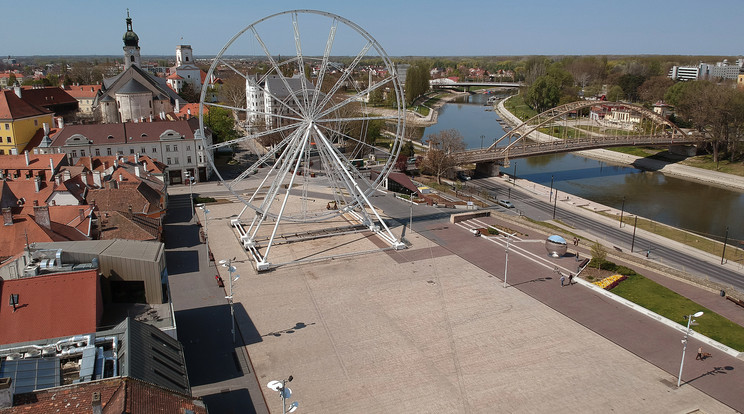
x=66, y=175
x=60, y=123
x=17, y=89
x=137, y=171
x=81, y=213
x=37, y=183
x=95, y=403
x=51, y=166
x=8, y=216
x=121, y=178
x=97, y=179
x=41, y=216
x=27, y=160
x=178, y=106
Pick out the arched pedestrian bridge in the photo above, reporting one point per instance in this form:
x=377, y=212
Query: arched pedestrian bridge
x=578, y=126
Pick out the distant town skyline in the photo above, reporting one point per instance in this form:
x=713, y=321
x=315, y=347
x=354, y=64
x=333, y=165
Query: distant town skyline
x=412, y=28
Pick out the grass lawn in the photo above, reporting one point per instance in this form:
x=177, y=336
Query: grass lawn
x=724, y=166
x=516, y=106
x=665, y=302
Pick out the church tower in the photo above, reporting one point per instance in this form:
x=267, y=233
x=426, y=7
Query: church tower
x=131, y=46
x=184, y=55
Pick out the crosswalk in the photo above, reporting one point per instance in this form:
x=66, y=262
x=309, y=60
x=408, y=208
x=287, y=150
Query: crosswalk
x=515, y=244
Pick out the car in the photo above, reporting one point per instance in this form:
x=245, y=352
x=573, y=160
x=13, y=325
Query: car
x=506, y=203
x=462, y=176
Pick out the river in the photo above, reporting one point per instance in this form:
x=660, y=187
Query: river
x=689, y=205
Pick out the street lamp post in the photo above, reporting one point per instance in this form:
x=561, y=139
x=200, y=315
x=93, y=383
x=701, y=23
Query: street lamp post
x=206, y=224
x=635, y=224
x=284, y=393
x=191, y=192
x=506, y=262
x=622, y=210
x=482, y=136
x=684, y=344
x=551, y=189
x=230, y=268
x=515, y=173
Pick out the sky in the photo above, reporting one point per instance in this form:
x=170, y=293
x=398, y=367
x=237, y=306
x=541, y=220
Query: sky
x=401, y=27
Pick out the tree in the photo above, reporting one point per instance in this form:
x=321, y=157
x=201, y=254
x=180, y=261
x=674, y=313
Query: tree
x=599, y=255
x=376, y=97
x=188, y=93
x=654, y=88
x=407, y=149
x=232, y=92
x=544, y=93
x=417, y=82
x=442, y=145
x=615, y=94
x=630, y=84
x=401, y=163
x=221, y=123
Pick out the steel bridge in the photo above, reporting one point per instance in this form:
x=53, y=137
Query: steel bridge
x=578, y=126
x=448, y=83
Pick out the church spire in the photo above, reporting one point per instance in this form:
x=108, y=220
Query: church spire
x=131, y=45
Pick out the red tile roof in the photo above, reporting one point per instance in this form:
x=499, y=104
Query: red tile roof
x=129, y=132
x=82, y=91
x=36, y=162
x=174, y=76
x=138, y=195
x=118, y=396
x=125, y=225
x=12, y=107
x=64, y=225
x=46, y=96
x=51, y=306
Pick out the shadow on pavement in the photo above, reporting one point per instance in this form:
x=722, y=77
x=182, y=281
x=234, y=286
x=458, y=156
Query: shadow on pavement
x=230, y=402
x=246, y=328
x=182, y=235
x=182, y=261
x=207, y=342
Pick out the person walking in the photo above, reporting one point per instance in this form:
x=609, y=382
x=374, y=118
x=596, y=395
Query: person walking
x=699, y=354
x=563, y=279
x=570, y=278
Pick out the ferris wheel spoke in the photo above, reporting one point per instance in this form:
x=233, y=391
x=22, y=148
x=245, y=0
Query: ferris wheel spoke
x=254, y=136
x=354, y=97
x=277, y=148
x=357, y=140
x=278, y=70
x=300, y=59
x=326, y=55
x=257, y=84
x=346, y=74
x=360, y=118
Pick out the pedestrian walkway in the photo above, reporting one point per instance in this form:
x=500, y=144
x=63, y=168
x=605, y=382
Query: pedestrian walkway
x=721, y=376
x=219, y=371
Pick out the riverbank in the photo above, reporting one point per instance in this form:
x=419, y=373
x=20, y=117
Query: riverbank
x=718, y=179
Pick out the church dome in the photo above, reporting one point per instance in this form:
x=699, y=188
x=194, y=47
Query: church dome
x=130, y=38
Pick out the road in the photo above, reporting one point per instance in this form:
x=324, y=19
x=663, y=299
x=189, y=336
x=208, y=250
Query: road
x=687, y=260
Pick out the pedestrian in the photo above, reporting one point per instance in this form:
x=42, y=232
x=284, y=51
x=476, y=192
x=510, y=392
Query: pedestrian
x=570, y=278
x=563, y=279
x=700, y=354
x=577, y=256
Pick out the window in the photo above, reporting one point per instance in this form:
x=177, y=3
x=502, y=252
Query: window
x=82, y=153
x=36, y=122
x=168, y=161
x=108, y=151
x=188, y=159
x=188, y=148
x=143, y=150
x=98, y=152
x=167, y=148
x=73, y=153
x=7, y=127
x=175, y=161
x=7, y=140
x=131, y=150
x=154, y=149
x=201, y=159
x=2, y=152
x=175, y=147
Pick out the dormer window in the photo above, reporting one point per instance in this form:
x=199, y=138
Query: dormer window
x=110, y=137
x=143, y=135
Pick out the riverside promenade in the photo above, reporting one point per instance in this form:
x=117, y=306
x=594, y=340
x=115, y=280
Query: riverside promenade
x=432, y=329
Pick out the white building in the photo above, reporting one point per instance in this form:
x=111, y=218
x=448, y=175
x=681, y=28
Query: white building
x=185, y=71
x=271, y=96
x=174, y=143
x=685, y=73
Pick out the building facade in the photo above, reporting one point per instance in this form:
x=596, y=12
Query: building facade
x=175, y=143
x=19, y=121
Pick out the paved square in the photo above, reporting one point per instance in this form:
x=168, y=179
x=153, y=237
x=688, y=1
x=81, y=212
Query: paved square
x=426, y=331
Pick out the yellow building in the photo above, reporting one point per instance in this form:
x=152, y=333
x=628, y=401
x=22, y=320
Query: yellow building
x=740, y=82
x=19, y=121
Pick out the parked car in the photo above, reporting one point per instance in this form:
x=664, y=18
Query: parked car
x=506, y=203
x=462, y=176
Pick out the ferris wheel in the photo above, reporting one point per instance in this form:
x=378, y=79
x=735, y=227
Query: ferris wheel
x=312, y=148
